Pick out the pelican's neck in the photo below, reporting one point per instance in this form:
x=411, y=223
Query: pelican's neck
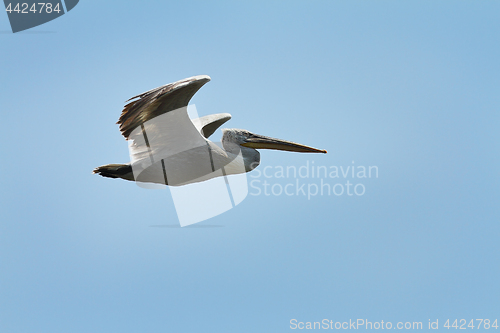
x=251, y=157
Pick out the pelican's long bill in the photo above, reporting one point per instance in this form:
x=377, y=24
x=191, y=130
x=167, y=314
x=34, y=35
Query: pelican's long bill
x=263, y=142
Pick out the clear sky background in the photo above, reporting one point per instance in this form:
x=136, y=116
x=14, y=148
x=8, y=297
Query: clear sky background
x=412, y=87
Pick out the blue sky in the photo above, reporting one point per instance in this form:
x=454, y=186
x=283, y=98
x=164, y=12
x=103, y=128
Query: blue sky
x=410, y=87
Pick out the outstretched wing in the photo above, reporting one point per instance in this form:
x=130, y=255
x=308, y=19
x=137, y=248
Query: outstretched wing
x=169, y=149
x=158, y=101
x=207, y=125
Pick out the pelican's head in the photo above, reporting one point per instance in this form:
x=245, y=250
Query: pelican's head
x=244, y=138
x=235, y=140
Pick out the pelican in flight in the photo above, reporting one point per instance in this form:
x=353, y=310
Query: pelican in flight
x=167, y=147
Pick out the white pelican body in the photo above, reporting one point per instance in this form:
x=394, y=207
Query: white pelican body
x=167, y=147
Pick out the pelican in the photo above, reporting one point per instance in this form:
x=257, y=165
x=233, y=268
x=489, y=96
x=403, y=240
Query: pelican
x=167, y=147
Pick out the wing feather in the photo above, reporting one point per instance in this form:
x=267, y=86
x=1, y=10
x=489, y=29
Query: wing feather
x=207, y=125
x=155, y=102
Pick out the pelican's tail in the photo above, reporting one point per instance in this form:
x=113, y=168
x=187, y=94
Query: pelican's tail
x=123, y=171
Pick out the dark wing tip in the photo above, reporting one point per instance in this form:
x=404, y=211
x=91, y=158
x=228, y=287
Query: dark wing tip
x=155, y=102
x=175, y=85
